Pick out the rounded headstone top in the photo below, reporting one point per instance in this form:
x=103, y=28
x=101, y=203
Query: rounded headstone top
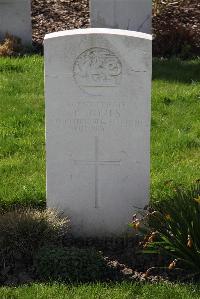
x=99, y=31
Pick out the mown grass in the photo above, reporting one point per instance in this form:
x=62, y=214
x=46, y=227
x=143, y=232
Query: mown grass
x=22, y=139
x=175, y=139
x=99, y=291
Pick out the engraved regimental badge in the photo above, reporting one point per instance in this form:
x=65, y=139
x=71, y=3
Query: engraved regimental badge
x=96, y=68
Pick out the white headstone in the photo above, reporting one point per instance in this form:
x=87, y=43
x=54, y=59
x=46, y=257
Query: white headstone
x=98, y=87
x=122, y=14
x=15, y=19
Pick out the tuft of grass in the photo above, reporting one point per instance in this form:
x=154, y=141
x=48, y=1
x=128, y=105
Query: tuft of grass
x=23, y=232
x=175, y=135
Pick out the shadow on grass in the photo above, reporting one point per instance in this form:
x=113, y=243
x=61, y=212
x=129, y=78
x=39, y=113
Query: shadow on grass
x=176, y=70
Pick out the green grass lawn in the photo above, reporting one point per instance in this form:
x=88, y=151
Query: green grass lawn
x=175, y=139
x=99, y=291
x=22, y=141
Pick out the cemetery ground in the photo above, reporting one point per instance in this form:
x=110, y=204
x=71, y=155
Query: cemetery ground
x=175, y=143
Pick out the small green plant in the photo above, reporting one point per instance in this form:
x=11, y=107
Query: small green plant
x=71, y=264
x=173, y=228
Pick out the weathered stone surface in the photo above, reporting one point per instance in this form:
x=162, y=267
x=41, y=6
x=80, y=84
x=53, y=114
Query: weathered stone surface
x=98, y=87
x=15, y=19
x=122, y=14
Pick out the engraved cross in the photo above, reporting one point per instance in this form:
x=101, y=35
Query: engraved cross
x=96, y=163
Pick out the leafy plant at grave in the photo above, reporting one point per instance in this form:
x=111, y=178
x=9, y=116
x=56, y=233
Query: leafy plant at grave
x=173, y=228
x=23, y=232
x=71, y=264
